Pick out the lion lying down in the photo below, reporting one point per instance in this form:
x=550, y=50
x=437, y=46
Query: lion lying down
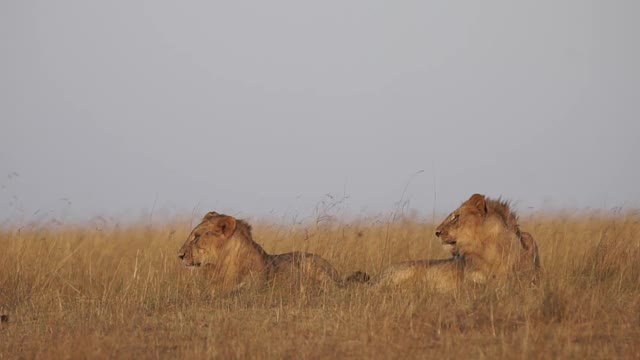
x=486, y=243
x=482, y=235
x=225, y=245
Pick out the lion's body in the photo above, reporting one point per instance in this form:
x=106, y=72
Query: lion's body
x=440, y=274
x=226, y=248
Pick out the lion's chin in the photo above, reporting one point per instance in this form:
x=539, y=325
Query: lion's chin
x=450, y=248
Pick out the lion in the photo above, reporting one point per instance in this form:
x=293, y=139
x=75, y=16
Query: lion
x=485, y=233
x=225, y=245
x=485, y=242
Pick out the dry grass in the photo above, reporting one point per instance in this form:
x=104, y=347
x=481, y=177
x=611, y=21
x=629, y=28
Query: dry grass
x=122, y=293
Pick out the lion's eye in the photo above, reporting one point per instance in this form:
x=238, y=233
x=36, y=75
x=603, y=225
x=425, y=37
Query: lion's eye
x=455, y=217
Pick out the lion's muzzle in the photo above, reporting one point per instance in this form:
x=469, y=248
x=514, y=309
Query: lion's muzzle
x=445, y=238
x=187, y=257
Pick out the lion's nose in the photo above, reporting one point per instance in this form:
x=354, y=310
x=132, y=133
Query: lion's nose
x=438, y=233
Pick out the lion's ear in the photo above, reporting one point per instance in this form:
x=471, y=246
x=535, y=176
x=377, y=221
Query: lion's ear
x=227, y=225
x=210, y=216
x=479, y=202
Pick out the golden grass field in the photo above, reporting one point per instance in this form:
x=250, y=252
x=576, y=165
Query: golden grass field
x=121, y=292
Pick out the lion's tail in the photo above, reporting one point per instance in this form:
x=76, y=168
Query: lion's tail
x=358, y=277
x=530, y=245
x=4, y=315
x=531, y=248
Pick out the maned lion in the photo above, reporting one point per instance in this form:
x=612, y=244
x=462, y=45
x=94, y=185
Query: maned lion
x=485, y=242
x=225, y=244
x=486, y=234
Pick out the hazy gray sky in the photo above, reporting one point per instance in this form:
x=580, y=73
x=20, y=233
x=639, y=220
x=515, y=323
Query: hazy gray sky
x=264, y=107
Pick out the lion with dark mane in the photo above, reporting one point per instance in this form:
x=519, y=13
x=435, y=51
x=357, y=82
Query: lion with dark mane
x=486, y=234
x=486, y=243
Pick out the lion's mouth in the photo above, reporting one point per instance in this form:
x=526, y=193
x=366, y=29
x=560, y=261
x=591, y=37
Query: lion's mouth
x=449, y=241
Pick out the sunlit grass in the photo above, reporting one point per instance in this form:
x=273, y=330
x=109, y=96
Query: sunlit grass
x=108, y=292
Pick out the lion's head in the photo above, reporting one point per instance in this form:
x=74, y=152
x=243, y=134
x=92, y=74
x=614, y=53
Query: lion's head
x=477, y=223
x=205, y=243
x=485, y=231
x=461, y=227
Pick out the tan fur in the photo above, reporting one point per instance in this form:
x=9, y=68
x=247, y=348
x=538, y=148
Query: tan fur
x=485, y=233
x=439, y=275
x=225, y=245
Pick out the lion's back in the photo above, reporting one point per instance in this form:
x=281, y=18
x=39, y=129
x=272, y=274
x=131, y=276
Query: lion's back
x=308, y=265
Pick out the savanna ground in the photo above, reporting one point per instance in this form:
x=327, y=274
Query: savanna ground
x=120, y=292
